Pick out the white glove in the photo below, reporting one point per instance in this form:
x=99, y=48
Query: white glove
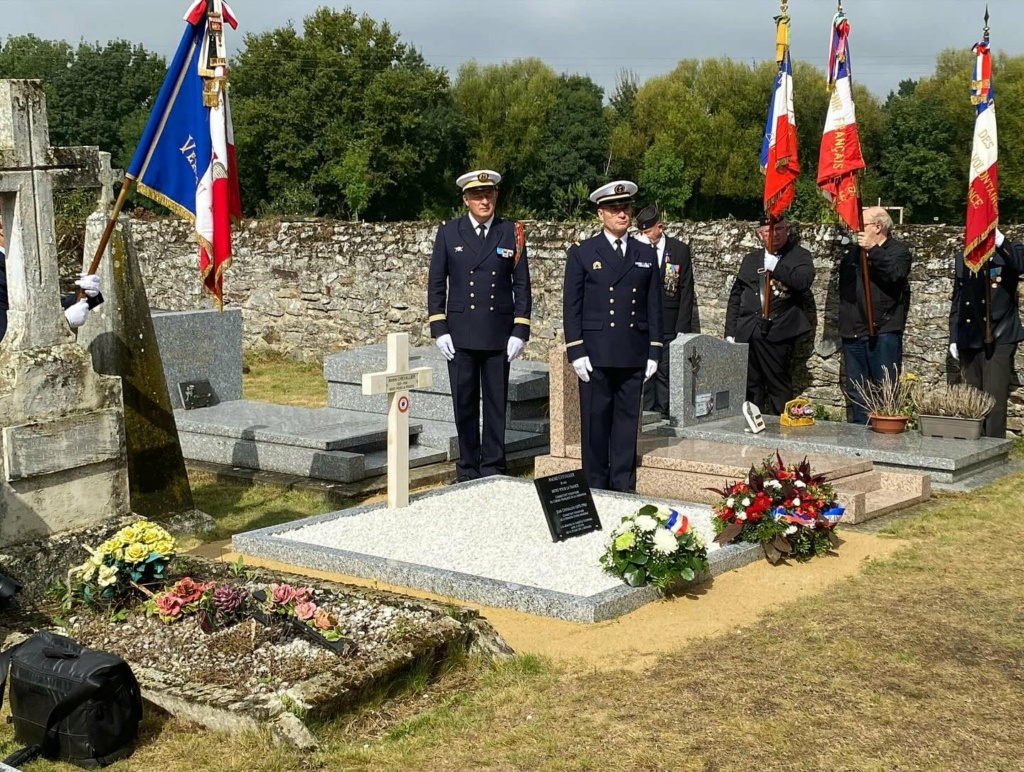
x=770, y=261
x=515, y=347
x=1000, y=238
x=954, y=351
x=730, y=339
x=447, y=347
x=89, y=282
x=77, y=314
x=583, y=368
x=652, y=368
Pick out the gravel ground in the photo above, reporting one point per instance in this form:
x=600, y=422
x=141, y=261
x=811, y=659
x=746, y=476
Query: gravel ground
x=248, y=656
x=495, y=531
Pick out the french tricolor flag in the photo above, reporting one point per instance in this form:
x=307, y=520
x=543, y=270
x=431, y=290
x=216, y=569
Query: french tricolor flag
x=779, y=152
x=983, y=191
x=840, y=157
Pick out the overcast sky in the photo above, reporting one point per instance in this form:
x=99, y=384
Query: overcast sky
x=891, y=39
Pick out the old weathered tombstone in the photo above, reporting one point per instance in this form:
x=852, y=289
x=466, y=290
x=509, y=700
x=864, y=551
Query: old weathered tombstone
x=396, y=382
x=708, y=379
x=63, y=461
x=121, y=339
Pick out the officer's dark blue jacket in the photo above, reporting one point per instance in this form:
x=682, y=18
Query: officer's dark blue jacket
x=479, y=293
x=967, y=310
x=612, y=306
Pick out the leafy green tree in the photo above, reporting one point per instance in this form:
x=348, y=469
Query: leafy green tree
x=343, y=116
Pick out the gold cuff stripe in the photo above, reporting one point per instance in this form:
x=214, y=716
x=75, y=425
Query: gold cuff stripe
x=656, y=343
x=574, y=343
x=438, y=318
x=521, y=320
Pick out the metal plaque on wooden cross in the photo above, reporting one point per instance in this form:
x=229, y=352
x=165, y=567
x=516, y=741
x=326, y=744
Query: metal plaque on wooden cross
x=396, y=381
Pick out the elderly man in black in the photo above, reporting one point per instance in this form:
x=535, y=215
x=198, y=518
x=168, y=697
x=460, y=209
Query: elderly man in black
x=988, y=367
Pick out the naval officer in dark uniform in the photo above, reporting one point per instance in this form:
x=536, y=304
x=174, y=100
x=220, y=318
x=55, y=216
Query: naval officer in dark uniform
x=613, y=332
x=771, y=341
x=988, y=367
x=478, y=296
x=677, y=298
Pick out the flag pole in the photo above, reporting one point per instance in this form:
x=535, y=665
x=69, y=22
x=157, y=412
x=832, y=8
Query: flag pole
x=770, y=241
x=108, y=231
x=869, y=306
x=988, y=282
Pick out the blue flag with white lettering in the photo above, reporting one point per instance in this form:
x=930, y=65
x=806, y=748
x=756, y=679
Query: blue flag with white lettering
x=176, y=146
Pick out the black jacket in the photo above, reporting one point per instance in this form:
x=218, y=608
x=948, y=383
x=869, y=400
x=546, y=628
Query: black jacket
x=677, y=298
x=889, y=269
x=479, y=293
x=967, y=309
x=611, y=307
x=791, y=284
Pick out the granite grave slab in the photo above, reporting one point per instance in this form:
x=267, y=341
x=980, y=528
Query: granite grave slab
x=707, y=379
x=201, y=345
x=486, y=542
x=947, y=461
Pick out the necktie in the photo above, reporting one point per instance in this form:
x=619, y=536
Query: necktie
x=483, y=231
x=618, y=248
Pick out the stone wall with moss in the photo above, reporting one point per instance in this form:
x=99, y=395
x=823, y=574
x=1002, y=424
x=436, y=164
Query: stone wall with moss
x=312, y=287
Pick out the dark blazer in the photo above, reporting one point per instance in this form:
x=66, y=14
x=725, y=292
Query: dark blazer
x=967, y=309
x=791, y=284
x=611, y=307
x=889, y=269
x=478, y=293
x=677, y=299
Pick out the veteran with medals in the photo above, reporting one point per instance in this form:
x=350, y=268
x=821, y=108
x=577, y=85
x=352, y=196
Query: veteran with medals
x=988, y=367
x=479, y=302
x=614, y=336
x=678, y=301
x=787, y=274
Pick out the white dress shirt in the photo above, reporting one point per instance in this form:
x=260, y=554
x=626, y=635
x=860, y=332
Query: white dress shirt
x=476, y=225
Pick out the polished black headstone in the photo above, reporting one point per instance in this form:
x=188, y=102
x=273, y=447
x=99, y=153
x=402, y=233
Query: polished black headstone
x=196, y=394
x=568, y=505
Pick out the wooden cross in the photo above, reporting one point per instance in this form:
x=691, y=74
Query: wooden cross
x=396, y=382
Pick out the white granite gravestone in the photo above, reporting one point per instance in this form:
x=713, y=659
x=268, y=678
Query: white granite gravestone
x=707, y=379
x=396, y=382
x=63, y=451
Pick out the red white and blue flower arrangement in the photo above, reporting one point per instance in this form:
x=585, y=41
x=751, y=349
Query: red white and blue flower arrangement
x=655, y=545
x=790, y=511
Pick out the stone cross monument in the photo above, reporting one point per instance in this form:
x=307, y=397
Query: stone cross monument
x=62, y=439
x=396, y=382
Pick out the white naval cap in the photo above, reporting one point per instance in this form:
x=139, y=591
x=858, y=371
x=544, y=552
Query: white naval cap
x=482, y=178
x=620, y=191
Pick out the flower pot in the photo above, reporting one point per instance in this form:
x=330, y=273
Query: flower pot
x=951, y=428
x=888, y=424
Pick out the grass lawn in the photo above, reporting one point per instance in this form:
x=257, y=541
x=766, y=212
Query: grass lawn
x=915, y=663
x=274, y=378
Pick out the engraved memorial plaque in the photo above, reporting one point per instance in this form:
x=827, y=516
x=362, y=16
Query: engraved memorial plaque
x=568, y=505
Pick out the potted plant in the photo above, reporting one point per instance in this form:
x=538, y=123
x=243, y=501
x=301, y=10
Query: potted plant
x=954, y=412
x=888, y=401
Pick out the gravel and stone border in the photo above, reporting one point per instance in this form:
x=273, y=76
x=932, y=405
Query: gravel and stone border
x=484, y=542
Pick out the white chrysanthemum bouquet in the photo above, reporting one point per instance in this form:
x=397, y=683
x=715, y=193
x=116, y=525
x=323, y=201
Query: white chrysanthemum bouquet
x=655, y=545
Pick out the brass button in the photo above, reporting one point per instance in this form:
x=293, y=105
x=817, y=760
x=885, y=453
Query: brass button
x=471, y=273
x=494, y=273
x=633, y=314
x=493, y=286
x=492, y=297
x=472, y=308
x=632, y=325
x=968, y=321
x=634, y=302
x=613, y=324
x=611, y=300
x=472, y=294
x=471, y=284
x=492, y=308
x=611, y=313
x=634, y=289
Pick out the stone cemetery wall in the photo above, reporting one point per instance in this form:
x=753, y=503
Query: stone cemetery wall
x=311, y=287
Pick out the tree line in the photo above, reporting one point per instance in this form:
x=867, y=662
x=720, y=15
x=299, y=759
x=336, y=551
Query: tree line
x=343, y=119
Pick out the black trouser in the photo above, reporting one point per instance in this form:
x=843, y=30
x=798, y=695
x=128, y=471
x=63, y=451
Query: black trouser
x=610, y=418
x=656, y=389
x=769, y=374
x=471, y=373
x=990, y=369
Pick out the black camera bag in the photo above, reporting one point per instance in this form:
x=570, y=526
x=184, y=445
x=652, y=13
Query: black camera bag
x=70, y=703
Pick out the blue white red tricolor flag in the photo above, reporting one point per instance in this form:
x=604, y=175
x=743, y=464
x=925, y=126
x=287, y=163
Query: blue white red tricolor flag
x=186, y=157
x=983, y=190
x=778, y=152
x=840, y=157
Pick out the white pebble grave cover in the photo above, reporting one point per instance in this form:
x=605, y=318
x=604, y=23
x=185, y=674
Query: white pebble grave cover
x=495, y=530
